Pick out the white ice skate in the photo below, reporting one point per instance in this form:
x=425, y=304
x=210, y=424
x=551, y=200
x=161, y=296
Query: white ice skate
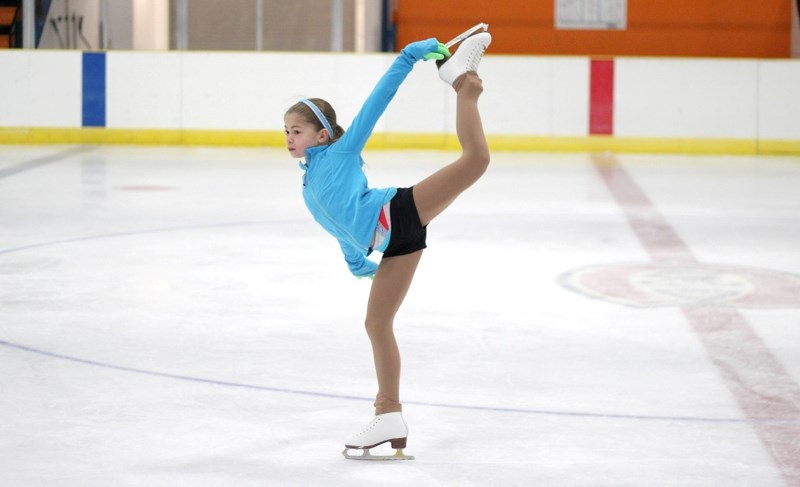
x=468, y=55
x=384, y=428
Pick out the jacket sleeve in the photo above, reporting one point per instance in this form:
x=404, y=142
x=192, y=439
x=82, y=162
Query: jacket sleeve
x=360, y=130
x=357, y=262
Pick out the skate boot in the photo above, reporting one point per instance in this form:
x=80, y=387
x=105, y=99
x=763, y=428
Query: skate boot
x=384, y=428
x=468, y=55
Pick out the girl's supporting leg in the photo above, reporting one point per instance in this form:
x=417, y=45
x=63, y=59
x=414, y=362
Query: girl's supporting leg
x=435, y=193
x=389, y=288
x=431, y=196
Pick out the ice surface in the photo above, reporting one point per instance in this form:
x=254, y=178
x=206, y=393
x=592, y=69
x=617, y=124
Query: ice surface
x=174, y=317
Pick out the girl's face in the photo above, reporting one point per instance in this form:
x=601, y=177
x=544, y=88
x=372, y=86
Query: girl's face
x=301, y=135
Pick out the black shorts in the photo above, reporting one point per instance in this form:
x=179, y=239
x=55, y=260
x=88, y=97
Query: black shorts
x=408, y=235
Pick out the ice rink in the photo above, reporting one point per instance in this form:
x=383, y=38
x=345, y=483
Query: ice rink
x=172, y=316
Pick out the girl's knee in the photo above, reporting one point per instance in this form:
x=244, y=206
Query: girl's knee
x=479, y=161
x=483, y=159
x=377, y=330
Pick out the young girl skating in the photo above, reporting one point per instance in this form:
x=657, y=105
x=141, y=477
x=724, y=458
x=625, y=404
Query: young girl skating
x=391, y=221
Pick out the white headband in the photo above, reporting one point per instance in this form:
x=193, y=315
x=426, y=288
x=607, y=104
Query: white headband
x=319, y=115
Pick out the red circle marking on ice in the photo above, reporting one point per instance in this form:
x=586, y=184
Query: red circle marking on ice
x=661, y=284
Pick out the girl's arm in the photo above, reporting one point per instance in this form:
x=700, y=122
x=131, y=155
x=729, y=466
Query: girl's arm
x=357, y=262
x=359, y=131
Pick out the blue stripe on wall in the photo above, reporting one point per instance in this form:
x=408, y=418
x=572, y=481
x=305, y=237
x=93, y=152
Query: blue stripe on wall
x=94, y=89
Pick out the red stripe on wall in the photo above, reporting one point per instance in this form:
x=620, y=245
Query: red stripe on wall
x=601, y=98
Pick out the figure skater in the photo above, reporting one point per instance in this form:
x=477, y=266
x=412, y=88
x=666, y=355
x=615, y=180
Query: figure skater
x=391, y=221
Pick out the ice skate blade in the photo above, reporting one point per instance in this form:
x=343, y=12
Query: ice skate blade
x=482, y=27
x=398, y=455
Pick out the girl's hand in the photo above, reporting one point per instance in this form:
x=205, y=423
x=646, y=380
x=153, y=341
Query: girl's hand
x=427, y=49
x=441, y=53
x=366, y=268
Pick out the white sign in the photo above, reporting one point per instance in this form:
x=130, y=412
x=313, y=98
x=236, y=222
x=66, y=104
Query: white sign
x=592, y=14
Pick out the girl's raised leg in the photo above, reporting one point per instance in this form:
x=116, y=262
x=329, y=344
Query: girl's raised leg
x=435, y=193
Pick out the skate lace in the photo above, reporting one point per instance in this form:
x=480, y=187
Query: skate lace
x=474, y=57
x=369, y=427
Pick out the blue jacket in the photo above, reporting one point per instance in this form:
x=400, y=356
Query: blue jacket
x=334, y=184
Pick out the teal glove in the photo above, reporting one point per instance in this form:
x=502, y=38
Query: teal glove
x=440, y=54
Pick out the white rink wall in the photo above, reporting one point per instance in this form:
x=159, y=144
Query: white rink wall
x=743, y=100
